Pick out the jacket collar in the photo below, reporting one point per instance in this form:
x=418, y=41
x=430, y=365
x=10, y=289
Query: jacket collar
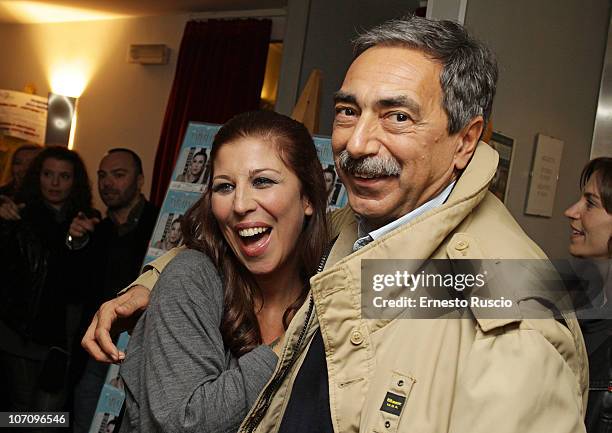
x=419, y=238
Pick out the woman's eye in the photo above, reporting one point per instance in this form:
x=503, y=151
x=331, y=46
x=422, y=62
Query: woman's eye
x=262, y=182
x=223, y=187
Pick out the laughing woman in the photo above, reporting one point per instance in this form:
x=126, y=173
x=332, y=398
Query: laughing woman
x=202, y=352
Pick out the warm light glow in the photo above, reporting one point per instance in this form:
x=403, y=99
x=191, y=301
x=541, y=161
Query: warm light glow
x=41, y=12
x=72, y=131
x=272, y=74
x=69, y=79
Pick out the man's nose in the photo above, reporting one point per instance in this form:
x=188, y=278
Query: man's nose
x=55, y=180
x=104, y=182
x=363, y=140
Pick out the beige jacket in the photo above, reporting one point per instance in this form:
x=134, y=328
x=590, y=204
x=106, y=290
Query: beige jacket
x=470, y=375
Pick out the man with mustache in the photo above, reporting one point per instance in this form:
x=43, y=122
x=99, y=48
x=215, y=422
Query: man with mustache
x=409, y=115
x=118, y=245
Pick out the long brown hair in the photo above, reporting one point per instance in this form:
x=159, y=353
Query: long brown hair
x=295, y=147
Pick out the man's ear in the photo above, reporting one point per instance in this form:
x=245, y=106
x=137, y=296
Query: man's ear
x=467, y=139
x=140, y=181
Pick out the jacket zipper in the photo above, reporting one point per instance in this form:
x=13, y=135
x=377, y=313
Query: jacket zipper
x=265, y=399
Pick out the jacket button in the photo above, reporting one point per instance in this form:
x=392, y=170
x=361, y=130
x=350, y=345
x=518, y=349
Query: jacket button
x=461, y=245
x=356, y=338
x=387, y=424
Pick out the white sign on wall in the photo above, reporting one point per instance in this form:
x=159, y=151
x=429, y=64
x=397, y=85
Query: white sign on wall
x=544, y=176
x=23, y=115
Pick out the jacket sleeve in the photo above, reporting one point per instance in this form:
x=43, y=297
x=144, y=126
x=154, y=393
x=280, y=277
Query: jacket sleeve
x=152, y=270
x=186, y=380
x=519, y=380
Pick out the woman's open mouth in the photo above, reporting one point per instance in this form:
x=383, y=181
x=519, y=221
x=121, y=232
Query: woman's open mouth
x=254, y=240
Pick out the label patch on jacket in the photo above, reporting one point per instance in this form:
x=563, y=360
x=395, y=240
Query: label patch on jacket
x=393, y=404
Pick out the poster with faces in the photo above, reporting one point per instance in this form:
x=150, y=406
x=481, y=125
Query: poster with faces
x=336, y=193
x=188, y=183
x=192, y=169
x=167, y=232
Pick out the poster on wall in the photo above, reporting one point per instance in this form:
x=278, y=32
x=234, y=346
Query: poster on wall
x=107, y=416
x=189, y=179
x=336, y=193
x=544, y=176
x=504, y=147
x=23, y=116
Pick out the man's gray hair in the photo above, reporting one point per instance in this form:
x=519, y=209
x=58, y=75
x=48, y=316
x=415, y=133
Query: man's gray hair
x=469, y=71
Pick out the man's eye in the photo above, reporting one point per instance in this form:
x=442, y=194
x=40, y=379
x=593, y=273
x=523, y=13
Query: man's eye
x=399, y=117
x=345, y=111
x=223, y=187
x=65, y=176
x=263, y=182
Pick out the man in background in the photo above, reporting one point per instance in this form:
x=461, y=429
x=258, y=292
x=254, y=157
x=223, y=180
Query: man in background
x=118, y=245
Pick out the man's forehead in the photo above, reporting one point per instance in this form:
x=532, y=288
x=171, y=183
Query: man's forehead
x=391, y=76
x=117, y=160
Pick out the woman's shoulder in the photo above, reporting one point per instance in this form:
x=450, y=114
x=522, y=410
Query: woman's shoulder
x=193, y=260
x=191, y=272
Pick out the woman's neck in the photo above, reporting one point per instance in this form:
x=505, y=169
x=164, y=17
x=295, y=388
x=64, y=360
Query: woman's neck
x=278, y=292
x=281, y=290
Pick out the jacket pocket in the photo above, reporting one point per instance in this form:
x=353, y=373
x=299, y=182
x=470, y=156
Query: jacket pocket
x=393, y=403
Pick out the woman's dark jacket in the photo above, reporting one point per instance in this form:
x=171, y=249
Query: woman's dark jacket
x=40, y=275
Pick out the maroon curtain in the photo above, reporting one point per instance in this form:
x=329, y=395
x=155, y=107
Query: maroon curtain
x=219, y=73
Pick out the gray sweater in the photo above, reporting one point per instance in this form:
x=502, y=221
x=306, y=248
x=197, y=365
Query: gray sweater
x=179, y=376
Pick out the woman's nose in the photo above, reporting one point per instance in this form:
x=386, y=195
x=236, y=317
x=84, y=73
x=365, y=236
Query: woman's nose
x=573, y=212
x=244, y=201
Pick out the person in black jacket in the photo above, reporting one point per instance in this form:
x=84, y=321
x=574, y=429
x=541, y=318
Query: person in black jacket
x=117, y=246
x=40, y=303
x=591, y=238
x=20, y=162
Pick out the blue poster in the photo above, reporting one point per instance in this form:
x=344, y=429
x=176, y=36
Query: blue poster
x=187, y=184
x=336, y=193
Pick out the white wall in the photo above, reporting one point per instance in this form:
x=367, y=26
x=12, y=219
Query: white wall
x=550, y=54
x=331, y=26
x=123, y=104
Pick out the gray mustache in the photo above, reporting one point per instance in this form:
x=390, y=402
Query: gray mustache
x=371, y=166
